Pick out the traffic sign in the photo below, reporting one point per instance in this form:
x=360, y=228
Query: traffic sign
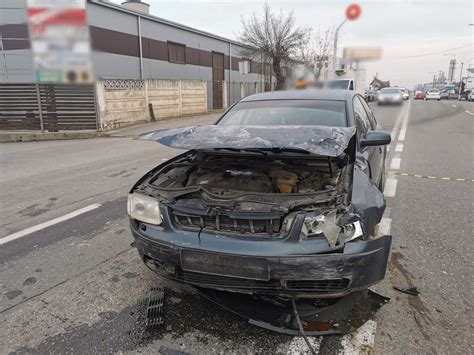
x=353, y=12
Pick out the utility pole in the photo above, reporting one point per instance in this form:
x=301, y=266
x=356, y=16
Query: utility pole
x=4, y=57
x=460, y=73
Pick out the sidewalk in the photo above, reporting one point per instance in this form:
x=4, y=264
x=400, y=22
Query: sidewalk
x=130, y=131
x=135, y=130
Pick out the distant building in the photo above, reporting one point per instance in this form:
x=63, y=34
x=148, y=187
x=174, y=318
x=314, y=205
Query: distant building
x=378, y=84
x=130, y=43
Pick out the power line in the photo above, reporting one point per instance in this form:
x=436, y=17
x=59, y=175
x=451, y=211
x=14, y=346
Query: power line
x=438, y=52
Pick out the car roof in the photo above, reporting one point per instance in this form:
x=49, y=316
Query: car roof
x=307, y=94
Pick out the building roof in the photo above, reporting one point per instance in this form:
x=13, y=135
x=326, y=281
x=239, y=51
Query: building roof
x=164, y=21
x=307, y=94
x=381, y=83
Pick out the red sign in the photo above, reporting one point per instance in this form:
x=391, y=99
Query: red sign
x=353, y=11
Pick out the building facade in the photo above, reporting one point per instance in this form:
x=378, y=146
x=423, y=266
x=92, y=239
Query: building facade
x=130, y=45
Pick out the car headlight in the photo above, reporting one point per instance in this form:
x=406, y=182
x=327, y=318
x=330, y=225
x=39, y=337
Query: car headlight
x=144, y=208
x=353, y=231
x=326, y=225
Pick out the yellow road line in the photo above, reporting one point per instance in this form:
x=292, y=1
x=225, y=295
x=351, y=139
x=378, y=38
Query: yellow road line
x=430, y=177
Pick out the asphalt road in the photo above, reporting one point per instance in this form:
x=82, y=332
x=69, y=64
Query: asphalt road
x=77, y=286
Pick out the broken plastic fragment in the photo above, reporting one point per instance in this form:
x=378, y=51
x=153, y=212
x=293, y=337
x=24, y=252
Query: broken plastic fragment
x=330, y=228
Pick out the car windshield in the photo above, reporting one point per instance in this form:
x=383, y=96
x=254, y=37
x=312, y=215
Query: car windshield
x=287, y=112
x=390, y=91
x=433, y=91
x=337, y=84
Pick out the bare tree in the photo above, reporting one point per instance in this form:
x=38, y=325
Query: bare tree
x=273, y=37
x=316, y=52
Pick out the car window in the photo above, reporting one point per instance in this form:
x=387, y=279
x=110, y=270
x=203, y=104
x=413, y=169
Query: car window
x=390, y=91
x=287, y=112
x=373, y=121
x=337, y=84
x=361, y=117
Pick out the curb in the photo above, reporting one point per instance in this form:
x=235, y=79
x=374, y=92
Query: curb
x=11, y=137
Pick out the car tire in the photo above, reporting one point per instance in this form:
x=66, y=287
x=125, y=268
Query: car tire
x=439, y=99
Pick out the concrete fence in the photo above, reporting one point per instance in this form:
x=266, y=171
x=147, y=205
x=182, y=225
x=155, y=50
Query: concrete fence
x=124, y=102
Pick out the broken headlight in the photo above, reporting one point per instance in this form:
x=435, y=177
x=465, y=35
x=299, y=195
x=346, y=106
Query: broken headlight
x=353, y=231
x=328, y=225
x=144, y=208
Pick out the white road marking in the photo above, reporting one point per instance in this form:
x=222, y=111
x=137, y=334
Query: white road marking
x=453, y=105
x=361, y=341
x=390, y=189
x=298, y=345
x=385, y=225
x=471, y=113
x=403, y=131
x=50, y=223
x=398, y=122
x=399, y=148
x=395, y=164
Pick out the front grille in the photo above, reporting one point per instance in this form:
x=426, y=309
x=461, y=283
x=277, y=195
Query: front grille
x=225, y=223
x=227, y=282
x=316, y=286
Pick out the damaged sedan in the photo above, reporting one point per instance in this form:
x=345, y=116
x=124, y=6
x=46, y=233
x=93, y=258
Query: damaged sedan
x=280, y=198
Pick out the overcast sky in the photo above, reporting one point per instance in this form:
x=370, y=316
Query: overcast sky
x=403, y=28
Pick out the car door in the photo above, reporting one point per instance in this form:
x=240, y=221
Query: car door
x=372, y=155
x=378, y=160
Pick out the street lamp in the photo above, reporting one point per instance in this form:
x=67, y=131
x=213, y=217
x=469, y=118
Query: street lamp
x=353, y=11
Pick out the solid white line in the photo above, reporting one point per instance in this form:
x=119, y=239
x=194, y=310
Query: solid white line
x=385, y=225
x=361, y=341
x=470, y=113
x=399, y=148
x=40, y=226
x=403, y=131
x=398, y=122
x=395, y=164
x=298, y=345
x=390, y=189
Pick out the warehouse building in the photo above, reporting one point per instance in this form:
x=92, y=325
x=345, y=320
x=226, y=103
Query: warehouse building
x=140, y=60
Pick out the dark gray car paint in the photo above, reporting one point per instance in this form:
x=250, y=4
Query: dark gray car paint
x=319, y=140
x=164, y=243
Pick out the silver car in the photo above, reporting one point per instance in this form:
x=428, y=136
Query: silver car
x=390, y=96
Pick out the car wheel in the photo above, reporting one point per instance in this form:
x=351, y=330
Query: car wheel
x=439, y=99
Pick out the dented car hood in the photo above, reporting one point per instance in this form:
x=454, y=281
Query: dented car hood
x=318, y=140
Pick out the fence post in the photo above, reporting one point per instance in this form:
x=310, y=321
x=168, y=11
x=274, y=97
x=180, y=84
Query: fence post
x=40, y=110
x=180, y=97
x=147, y=113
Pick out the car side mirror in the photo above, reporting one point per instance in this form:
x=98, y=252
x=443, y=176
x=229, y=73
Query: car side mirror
x=373, y=138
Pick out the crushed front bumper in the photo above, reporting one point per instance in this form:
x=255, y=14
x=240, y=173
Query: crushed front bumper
x=357, y=266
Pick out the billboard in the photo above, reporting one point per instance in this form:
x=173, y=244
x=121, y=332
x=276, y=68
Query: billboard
x=59, y=36
x=362, y=53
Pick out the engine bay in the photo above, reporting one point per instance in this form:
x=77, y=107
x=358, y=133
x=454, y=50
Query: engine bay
x=227, y=175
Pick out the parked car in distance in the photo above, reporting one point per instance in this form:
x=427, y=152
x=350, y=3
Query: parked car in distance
x=390, y=95
x=470, y=96
x=285, y=188
x=445, y=95
x=433, y=94
x=419, y=95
